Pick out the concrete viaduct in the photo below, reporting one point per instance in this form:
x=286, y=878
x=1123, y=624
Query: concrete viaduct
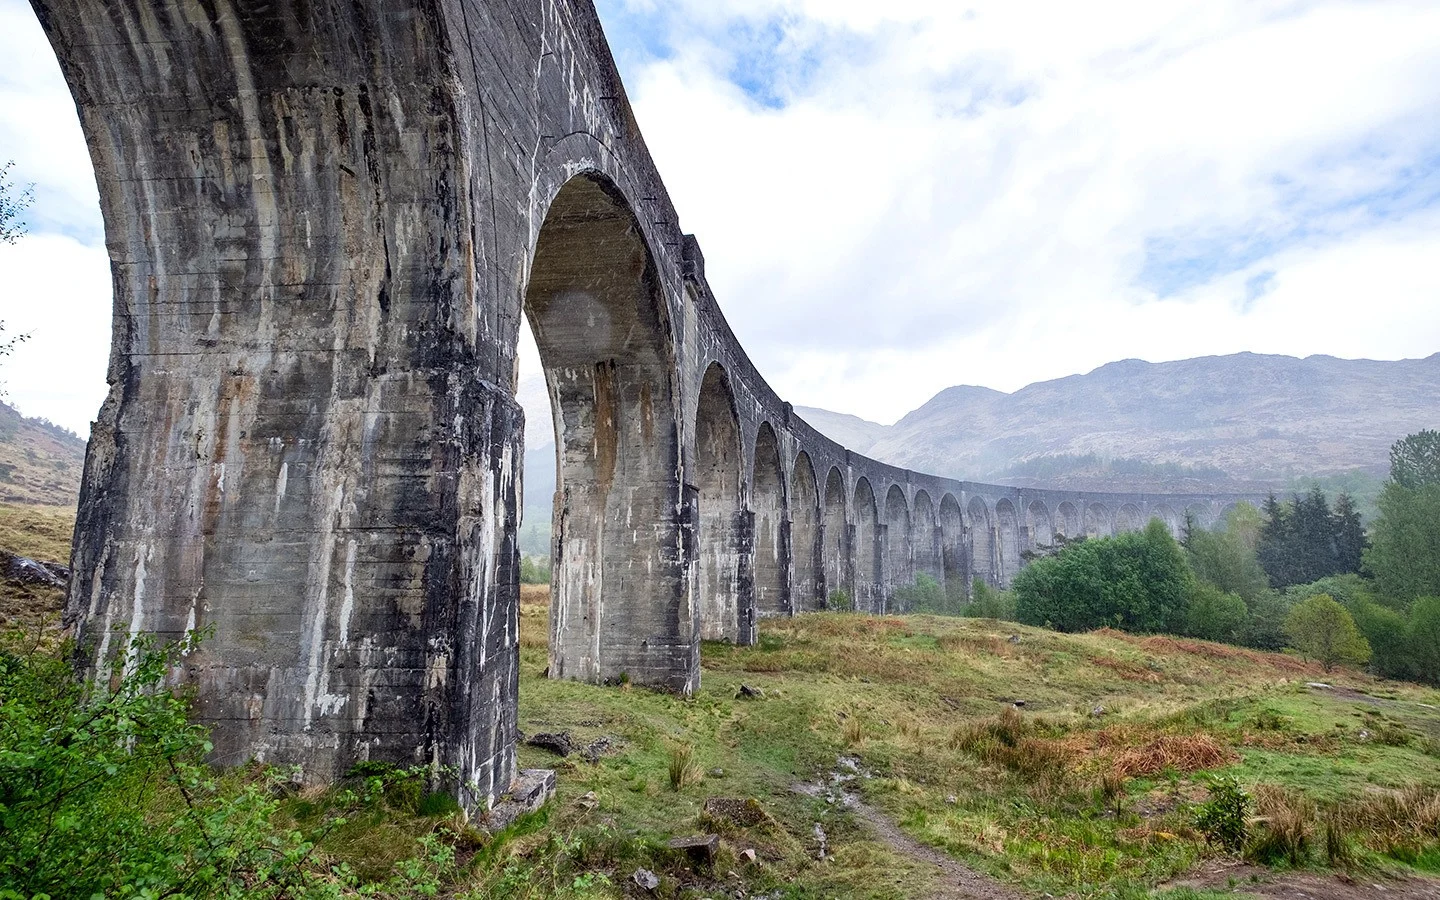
x=325, y=222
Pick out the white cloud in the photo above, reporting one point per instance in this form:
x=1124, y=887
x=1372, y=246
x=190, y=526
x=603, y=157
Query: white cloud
x=920, y=194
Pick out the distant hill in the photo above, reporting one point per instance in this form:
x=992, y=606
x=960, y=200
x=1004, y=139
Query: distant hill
x=40, y=463
x=850, y=431
x=1237, y=422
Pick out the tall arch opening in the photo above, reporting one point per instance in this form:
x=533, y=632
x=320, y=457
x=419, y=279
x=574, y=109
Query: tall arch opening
x=1128, y=518
x=899, y=569
x=982, y=542
x=726, y=611
x=869, y=596
x=598, y=317
x=772, y=539
x=925, y=539
x=807, y=562
x=1097, y=521
x=838, y=566
x=1168, y=515
x=1067, y=521
x=1007, y=541
x=1038, y=524
x=953, y=554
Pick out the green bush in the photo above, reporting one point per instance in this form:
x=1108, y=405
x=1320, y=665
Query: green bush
x=1137, y=582
x=1222, y=818
x=924, y=596
x=1387, y=632
x=1217, y=616
x=989, y=603
x=1323, y=630
x=839, y=601
x=1424, y=639
x=534, y=570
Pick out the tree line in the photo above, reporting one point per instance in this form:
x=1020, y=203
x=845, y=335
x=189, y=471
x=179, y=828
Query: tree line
x=1300, y=574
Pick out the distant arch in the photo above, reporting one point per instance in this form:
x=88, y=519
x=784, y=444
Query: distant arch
x=982, y=541
x=925, y=539
x=1098, y=522
x=837, y=538
x=767, y=503
x=954, y=556
x=724, y=614
x=1039, y=525
x=1223, y=520
x=898, y=565
x=1128, y=518
x=808, y=561
x=1167, y=515
x=1007, y=541
x=868, y=596
x=1067, y=521
x=1201, y=515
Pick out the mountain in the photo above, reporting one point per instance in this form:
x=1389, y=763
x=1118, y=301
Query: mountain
x=40, y=463
x=1240, y=422
x=852, y=432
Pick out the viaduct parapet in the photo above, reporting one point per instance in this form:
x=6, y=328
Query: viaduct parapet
x=325, y=222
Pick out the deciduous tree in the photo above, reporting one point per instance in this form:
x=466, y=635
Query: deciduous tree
x=1322, y=629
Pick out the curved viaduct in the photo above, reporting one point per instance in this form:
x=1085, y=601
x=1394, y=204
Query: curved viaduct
x=325, y=221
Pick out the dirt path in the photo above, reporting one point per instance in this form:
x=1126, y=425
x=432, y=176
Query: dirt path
x=953, y=881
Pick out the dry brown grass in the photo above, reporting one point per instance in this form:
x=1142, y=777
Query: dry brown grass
x=1129, y=670
x=1284, y=818
x=1172, y=752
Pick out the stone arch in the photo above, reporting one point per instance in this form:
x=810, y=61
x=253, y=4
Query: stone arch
x=1038, y=524
x=980, y=531
x=1201, y=515
x=767, y=504
x=808, y=572
x=925, y=539
x=1167, y=515
x=954, y=556
x=1223, y=520
x=726, y=607
x=838, y=564
x=1098, y=522
x=601, y=330
x=898, y=565
x=1128, y=518
x=1067, y=521
x=868, y=557
x=1007, y=541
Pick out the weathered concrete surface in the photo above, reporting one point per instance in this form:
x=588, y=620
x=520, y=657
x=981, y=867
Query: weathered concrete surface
x=326, y=221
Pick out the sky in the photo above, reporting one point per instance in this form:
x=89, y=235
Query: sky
x=897, y=197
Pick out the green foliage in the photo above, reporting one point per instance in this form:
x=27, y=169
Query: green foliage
x=1267, y=621
x=1137, y=582
x=1322, y=629
x=1415, y=461
x=1388, y=634
x=1226, y=558
x=534, y=570
x=14, y=201
x=1303, y=540
x=925, y=596
x=1404, y=555
x=839, y=601
x=989, y=603
x=1424, y=639
x=1217, y=616
x=1222, y=818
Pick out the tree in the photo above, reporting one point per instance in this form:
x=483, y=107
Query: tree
x=1350, y=540
x=1226, y=558
x=1137, y=582
x=1321, y=629
x=1388, y=633
x=1217, y=616
x=1404, y=554
x=13, y=203
x=1303, y=540
x=1415, y=460
x=1424, y=639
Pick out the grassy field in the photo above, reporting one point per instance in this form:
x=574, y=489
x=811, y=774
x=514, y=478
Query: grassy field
x=1088, y=789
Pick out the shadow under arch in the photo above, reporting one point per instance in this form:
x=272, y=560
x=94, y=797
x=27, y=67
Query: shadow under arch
x=869, y=555
x=600, y=323
x=772, y=538
x=925, y=538
x=898, y=556
x=724, y=592
x=808, y=565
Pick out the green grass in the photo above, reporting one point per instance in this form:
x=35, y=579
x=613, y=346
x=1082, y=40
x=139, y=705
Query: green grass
x=39, y=532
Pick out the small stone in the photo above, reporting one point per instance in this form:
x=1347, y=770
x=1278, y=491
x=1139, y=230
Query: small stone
x=717, y=772
x=748, y=855
x=952, y=799
x=1364, y=734
x=749, y=693
x=1317, y=685
x=646, y=879
x=821, y=839
x=1098, y=711
x=559, y=744
x=1019, y=704
x=588, y=800
x=1014, y=638
x=700, y=849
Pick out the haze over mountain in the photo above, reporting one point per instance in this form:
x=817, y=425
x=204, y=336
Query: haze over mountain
x=1214, y=423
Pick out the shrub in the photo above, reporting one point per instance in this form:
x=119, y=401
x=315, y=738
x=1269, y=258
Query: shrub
x=1285, y=827
x=1222, y=818
x=1216, y=616
x=924, y=596
x=990, y=603
x=839, y=601
x=1136, y=582
x=684, y=769
x=1424, y=639
x=534, y=570
x=1321, y=629
x=1387, y=633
